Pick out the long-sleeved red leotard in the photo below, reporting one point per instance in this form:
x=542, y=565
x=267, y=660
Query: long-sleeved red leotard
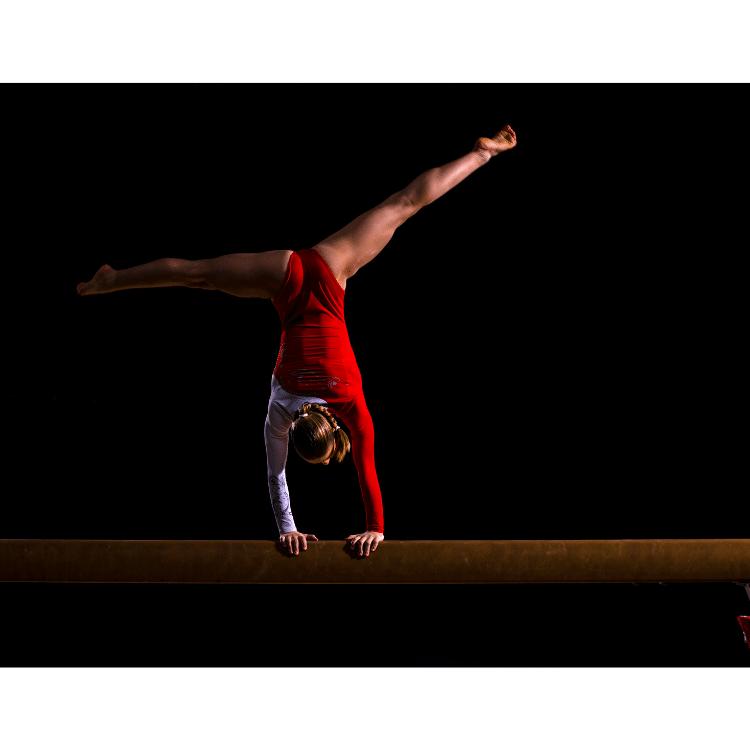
x=316, y=359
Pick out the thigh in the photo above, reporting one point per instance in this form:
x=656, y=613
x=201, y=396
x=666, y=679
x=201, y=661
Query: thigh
x=362, y=239
x=246, y=274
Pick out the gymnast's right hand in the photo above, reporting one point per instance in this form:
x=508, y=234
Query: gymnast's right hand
x=293, y=540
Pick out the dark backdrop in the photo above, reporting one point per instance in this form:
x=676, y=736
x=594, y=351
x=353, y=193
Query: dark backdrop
x=549, y=350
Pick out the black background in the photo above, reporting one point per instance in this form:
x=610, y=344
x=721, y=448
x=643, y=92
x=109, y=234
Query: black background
x=551, y=350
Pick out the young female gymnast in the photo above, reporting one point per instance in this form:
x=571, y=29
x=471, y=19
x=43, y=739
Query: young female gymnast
x=316, y=386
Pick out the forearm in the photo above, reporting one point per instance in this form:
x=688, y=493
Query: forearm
x=433, y=183
x=282, y=510
x=372, y=499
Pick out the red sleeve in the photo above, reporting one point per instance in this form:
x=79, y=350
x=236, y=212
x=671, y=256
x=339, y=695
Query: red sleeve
x=362, y=433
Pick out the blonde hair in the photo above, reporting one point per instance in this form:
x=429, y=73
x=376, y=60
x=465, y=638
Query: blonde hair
x=315, y=432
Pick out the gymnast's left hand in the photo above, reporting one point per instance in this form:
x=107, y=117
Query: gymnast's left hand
x=367, y=542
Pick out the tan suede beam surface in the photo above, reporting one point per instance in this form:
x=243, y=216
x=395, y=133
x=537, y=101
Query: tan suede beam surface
x=492, y=561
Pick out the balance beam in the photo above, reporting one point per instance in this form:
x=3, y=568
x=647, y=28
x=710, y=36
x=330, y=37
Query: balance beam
x=490, y=561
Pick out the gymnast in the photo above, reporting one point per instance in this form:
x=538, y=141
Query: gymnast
x=316, y=385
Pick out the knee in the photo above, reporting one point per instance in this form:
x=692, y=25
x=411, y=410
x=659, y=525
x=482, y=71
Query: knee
x=404, y=199
x=405, y=204
x=195, y=273
x=177, y=270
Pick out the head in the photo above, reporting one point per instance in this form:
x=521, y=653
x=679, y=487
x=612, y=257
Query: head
x=317, y=436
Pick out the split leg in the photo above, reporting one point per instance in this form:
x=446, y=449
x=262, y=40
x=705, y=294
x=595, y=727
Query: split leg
x=360, y=241
x=239, y=274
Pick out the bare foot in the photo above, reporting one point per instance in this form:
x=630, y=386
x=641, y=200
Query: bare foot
x=102, y=282
x=504, y=140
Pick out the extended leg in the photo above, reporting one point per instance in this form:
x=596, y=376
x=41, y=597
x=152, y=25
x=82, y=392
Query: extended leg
x=239, y=274
x=362, y=239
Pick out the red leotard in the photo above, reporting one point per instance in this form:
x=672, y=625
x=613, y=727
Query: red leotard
x=316, y=359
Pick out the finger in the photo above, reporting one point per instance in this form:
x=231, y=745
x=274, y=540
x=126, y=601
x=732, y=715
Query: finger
x=312, y=537
x=296, y=545
x=361, y=543
x=304, y=543
x=375, y=544
x=354, y=538
x=368, y=543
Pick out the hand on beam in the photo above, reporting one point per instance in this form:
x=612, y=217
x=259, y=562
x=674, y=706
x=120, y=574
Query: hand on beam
x=293, y=540
x=367, y=542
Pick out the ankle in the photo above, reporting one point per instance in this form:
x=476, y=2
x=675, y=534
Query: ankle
x=482, y=152
x=483, y=155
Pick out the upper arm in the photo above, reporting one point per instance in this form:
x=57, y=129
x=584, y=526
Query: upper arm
x=276, y=433
x=362, y=239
